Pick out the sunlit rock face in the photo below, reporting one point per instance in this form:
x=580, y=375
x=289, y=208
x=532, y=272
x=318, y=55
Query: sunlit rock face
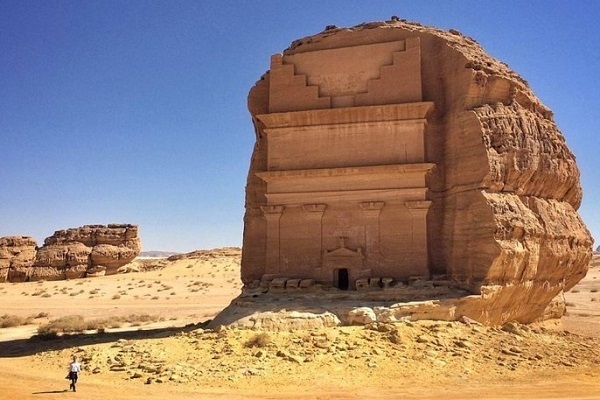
x=17, y=254
x=90, y=250
x=392, y=150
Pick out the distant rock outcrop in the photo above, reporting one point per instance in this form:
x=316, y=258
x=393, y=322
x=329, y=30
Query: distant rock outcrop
x=17, y=254
x=158, y=254
x=91, y=250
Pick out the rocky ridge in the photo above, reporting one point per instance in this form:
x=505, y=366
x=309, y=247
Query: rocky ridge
x=90, y=250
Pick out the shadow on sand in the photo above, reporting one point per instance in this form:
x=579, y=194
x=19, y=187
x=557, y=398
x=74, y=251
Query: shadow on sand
x=37, y=344
x=51, y=392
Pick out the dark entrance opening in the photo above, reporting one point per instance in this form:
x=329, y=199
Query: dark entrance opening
x=343, y=279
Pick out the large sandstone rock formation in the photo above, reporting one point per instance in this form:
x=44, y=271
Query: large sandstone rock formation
x=91, y=250
x=392, y=150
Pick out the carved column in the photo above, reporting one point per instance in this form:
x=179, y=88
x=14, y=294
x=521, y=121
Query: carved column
x=272, y=215
x=314, y=222
x=371, y=211
x=418, y=210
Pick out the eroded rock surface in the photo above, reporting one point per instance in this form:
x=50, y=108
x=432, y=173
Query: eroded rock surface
x=428, y=157
x=91, y=250
x=17, y=254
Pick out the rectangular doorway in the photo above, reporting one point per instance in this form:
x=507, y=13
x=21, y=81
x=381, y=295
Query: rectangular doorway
x=341, y=279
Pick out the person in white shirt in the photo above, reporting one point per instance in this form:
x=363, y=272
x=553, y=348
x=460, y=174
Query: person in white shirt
x=74, y=370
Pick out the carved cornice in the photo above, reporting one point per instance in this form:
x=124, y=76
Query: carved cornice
x=381, y=113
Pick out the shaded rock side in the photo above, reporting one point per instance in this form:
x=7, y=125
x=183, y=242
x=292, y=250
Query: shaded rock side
x=504, y=192
x=17, y=254
x=72, y=253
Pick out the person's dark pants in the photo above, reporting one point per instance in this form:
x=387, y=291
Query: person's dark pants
x=73, y=377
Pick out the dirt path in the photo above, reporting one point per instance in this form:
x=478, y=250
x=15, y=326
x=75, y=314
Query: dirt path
x=27, y=384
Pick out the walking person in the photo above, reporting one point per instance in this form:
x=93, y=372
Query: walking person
x=74, y=370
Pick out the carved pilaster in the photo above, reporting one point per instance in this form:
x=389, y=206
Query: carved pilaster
x=371, y=211
x=315, y=209
x=273, y=216
x=418, y=210
x=314, y=217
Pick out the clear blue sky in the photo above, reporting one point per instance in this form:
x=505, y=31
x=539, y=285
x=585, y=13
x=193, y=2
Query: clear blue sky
x=135, y=111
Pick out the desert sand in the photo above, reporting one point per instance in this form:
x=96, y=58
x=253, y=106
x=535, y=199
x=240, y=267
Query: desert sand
x=177, y=357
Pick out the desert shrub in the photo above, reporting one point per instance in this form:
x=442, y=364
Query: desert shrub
x=258, y=340
x=140, y=318
x=68, y=324
x=594, y=290
x=42, y=314
x=101, y=324
x=9, y=321
x=154, y=298
x=77, y=324
x=575, y=291
x=570, y=304
x=116, y=297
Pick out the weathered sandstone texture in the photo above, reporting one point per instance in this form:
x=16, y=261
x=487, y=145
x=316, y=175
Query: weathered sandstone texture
x=391, y=152
x=91, y=250
x=17, y=254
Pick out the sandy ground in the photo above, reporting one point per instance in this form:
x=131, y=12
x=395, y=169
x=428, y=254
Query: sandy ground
x=169, y=360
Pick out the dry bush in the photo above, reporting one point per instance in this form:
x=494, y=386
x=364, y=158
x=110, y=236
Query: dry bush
x=77, y=324
x=68, y=324
x=594, y=290
x=116, y=297
x=259, y=340
x=10, y=321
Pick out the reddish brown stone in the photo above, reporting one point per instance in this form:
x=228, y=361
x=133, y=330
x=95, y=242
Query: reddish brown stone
x=396, y=150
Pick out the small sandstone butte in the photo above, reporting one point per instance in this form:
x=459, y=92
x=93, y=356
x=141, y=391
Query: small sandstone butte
x=393, y=150
x=16, y=257
x=91, y=250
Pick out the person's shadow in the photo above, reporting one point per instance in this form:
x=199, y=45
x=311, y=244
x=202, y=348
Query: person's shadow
x=51, y=392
